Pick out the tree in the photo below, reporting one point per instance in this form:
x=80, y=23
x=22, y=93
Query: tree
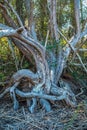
x=46, y=84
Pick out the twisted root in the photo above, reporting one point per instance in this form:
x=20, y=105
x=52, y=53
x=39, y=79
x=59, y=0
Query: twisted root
x=56, y=93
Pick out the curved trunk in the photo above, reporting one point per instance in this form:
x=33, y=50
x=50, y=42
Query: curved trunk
x=43, y=87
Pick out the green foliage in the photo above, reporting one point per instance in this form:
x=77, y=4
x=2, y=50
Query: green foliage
x=4, y=48
x=6, y=59
x=9, y=61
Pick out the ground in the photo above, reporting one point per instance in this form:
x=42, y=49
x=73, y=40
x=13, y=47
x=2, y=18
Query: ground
x=62, y=117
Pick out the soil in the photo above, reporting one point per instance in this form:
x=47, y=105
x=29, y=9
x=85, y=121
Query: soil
x=62, y=117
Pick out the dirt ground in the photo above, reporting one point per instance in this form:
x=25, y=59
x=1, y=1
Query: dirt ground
x=62, y=117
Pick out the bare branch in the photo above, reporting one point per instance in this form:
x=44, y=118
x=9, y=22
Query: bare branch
x=7, y=16
x=5, y=92
x=83, y=49
x=81, y=62
x=67, y=49
x=76, y=64
x=5, y=27
x=8, y=31
x=47, y=38
x=77, y=15
x=11, y=7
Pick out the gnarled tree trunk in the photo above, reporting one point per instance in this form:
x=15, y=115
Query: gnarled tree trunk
x=44, y=86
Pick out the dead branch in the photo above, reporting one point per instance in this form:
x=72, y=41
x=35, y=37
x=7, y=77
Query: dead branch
x=7, y=16
x=66, y=51
x=5, y=92
x=12, y=9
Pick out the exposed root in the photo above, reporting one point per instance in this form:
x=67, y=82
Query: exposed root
x=55, y=90
x=15, y=102
x=71, y=100
x=65, y=96
x=28, y=100
x=24, y=73
x=70, y=96
x=45, y=104
x=39, y=95
x=13, y=88
x=33, y=106
x=13, y=96
x=56, y=93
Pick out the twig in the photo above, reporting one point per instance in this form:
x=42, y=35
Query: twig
x=79, y=93
x=81, y=62
x=76, y=64
x=47, y=38
x=4, y=83
x=6, y=91
x=74, y=49
x=83, y=49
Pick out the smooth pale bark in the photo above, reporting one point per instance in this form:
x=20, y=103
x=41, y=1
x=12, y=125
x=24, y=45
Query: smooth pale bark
x=45, y=86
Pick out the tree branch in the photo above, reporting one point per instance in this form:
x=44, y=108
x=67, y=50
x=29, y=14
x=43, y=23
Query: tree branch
x=12, y=9
x=77, y=15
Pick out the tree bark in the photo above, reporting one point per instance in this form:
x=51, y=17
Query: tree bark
x=44, y=87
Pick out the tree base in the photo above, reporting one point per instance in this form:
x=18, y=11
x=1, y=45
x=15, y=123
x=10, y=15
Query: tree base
x=36, y=94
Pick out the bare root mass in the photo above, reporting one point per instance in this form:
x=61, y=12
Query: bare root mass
x=35, y=92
